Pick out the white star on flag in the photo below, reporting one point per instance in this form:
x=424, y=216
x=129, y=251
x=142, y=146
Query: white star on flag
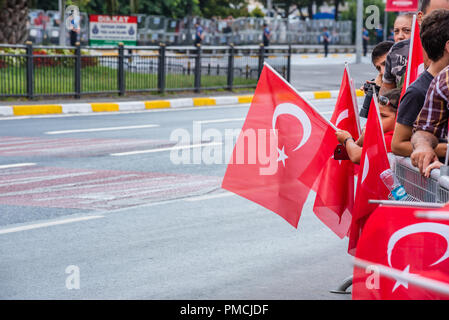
x=282, y=156
x=400, y=282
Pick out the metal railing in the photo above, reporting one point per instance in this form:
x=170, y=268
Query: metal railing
x=153, y=29
x=36, y=71
x=432, y=189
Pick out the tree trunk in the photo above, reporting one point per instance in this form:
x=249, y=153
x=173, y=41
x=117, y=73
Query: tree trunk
x=301, y=14
x=337, y=4
x=310, y=9
x=13, y=20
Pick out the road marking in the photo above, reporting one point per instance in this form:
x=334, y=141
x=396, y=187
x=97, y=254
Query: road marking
x=15, y=165
x=5, y=118
x=220, y=120
x=47, y=224
x=190, y=146
x=212, y=196
x=103, y=129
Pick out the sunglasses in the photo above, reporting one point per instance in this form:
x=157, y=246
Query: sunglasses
x=385, y=101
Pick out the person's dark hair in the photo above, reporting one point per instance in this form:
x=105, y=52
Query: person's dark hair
x=380, y=50
x=393, y=96
x=434, y=33
x=423, y=5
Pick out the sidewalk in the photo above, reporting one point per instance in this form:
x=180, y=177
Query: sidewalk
x=115, y=104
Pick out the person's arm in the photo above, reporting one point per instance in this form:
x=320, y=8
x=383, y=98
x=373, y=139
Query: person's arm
x=359, y=141
x=352, y=148
x=401, y=144
x=440, y=150
x=434, y=165
x=431, y=124
x=423, y=153
x=354, y=151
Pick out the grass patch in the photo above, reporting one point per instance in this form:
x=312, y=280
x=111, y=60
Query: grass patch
x=61, y=80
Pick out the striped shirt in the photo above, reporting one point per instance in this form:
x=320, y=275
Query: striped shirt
x=434, y=115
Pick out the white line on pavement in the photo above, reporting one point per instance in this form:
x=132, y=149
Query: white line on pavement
x=103, y=129
x=220, y=120
x=47, y=224
x=199, y=145
x=16, y=165
x=212, y=196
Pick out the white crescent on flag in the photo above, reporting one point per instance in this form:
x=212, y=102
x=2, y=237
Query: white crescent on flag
x=428, y=227
x=343, y=115
x=298, y=113
x=365, y=168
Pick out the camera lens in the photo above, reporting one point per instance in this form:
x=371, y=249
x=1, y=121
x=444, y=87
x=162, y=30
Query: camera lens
x=367, y=102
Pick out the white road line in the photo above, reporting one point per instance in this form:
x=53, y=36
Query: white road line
x=212, y=196
x=16, y=165
x=103, y=129
x=220, y=120
x=47, y=224
x=199, y=145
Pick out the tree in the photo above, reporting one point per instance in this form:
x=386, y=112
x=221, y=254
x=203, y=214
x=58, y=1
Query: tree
x=223, y=8
x=337, y=4
x=351, y=13
x=13, y=20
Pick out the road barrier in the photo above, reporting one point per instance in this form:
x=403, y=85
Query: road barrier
x=433, y=189
x=36, y=71
x=152, y=29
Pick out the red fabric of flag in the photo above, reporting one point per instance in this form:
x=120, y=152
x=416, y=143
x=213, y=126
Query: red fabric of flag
x=415, y=61
x=373, y=162
x=333, y=206
x=394, y=237
x=281, y=150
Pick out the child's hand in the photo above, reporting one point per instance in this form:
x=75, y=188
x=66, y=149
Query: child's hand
x=433, y=165
x=342, y=135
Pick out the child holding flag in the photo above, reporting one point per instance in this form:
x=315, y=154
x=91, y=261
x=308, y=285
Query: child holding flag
x=388, y=105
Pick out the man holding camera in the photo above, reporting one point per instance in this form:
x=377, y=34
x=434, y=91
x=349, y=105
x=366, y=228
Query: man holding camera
x=378, y=57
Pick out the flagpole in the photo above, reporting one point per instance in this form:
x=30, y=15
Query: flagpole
x=296, y=91
x=407, y=204
x=395, y=274
x=354, y=99
x=378, y=115
x=410, y=53
x=440, y=215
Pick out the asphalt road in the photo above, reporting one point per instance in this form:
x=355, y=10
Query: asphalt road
x=96, y=208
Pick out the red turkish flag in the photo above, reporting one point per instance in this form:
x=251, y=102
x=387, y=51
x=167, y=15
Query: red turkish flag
x=373, y=162
x=333, y=206
x=415, y=61
x=394, y=237
x=298, y=138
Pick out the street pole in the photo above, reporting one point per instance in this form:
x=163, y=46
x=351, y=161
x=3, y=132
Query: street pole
x=270, y=8
x=358, y=32
x=189, y=22
x=386, y=26
x=62, y=30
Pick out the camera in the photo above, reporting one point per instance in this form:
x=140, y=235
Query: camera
x=368, y=88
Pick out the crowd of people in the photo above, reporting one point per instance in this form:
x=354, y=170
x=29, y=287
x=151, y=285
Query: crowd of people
x=415, y=124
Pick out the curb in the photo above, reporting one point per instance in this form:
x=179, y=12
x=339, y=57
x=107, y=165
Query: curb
x=70, y=108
